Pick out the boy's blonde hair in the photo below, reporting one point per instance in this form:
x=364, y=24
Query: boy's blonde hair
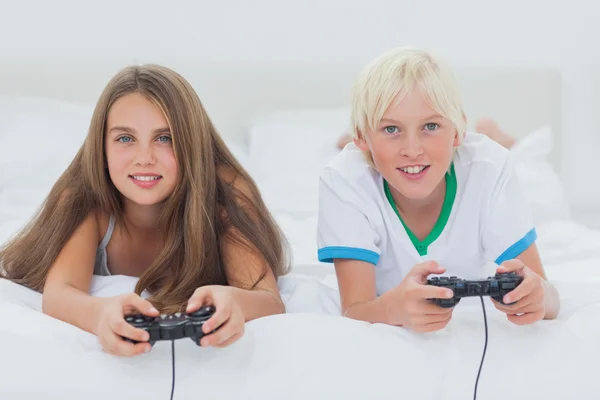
x=393, y=74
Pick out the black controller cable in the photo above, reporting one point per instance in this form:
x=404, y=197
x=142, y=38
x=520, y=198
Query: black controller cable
x=173, y=365
x=485, y=346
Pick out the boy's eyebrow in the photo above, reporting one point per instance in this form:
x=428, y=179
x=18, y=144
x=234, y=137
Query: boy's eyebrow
x=432, y=116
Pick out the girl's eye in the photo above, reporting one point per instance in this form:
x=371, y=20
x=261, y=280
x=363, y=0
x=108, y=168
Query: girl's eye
x=431, y=126
x=165, y=139
x=391, y=129
x=124, y=139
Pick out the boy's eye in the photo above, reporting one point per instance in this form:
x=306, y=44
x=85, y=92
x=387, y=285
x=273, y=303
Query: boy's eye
x=391, y=129
x=431, y=126
x=124, y=139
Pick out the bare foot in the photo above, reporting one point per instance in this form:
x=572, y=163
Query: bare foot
x=344, y=140
x=490, y=128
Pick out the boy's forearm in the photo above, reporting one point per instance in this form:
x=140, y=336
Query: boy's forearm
x=552, y=301
x=373, y=311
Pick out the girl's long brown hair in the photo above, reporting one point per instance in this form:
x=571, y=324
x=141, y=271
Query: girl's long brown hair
x=196, y=217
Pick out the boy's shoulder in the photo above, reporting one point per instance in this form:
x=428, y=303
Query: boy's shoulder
x=350, y=166
x=479, y=153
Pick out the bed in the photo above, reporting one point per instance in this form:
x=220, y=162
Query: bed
x=289, y=117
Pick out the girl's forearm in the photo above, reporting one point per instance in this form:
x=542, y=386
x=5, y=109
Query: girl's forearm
x=257, y=303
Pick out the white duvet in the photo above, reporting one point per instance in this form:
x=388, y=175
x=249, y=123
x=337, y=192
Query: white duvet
x=310, y=353
x=313, y=353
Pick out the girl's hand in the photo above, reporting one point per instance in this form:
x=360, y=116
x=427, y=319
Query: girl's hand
x=112, y=327
x=228, y=320
x=529, y=297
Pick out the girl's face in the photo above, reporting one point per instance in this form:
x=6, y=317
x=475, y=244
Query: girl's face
x=412, y=147
x=139, y=150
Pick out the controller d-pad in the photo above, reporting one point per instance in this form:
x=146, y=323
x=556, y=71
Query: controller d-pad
x=203, y=312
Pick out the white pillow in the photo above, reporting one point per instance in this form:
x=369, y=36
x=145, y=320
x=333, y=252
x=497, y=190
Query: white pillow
x=287, y=152
x=543, y=187
x=40, y=137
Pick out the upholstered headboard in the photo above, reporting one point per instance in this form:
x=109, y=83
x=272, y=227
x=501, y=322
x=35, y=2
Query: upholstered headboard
x=521, y=99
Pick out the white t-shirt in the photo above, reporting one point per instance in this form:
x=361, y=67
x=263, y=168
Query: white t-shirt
x=485, y=217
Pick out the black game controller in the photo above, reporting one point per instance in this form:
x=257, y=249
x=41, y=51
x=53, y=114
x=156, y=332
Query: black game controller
x=496, y=287
x=172, y=327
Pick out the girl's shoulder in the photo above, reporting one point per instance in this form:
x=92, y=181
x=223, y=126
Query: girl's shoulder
x=103, y=222
x=235, y=180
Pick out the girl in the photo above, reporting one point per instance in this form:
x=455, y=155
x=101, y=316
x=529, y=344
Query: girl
x=153, y=193
x=414, y=195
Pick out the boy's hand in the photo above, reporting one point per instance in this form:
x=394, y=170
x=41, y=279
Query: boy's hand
x=529, y=297
x=415, y=310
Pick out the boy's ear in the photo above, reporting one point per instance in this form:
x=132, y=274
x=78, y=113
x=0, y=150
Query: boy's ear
x=360, y=141
x=457, y=139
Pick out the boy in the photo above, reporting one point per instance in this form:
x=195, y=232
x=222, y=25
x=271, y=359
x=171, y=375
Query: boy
x=416, y=195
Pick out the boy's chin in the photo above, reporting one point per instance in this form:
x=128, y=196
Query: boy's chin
x=417, y=191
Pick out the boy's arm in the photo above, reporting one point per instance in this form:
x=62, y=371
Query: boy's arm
x=531, y=258
x=358, y=294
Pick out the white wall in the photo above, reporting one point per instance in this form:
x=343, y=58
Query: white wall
x=524, y=32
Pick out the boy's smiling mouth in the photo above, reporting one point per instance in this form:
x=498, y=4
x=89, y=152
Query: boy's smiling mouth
x=413, y=169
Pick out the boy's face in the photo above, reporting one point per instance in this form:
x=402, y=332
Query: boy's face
x=412, y=146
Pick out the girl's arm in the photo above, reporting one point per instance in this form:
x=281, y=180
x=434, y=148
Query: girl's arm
x=244, y=268
x=66, y=291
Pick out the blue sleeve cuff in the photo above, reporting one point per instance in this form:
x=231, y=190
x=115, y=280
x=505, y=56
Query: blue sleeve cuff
x=328, y=254
x=516, y=249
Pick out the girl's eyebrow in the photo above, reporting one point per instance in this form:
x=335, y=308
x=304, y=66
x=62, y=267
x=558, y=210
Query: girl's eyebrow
x=162, y=130
x=121, y=129
x=126, y=129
